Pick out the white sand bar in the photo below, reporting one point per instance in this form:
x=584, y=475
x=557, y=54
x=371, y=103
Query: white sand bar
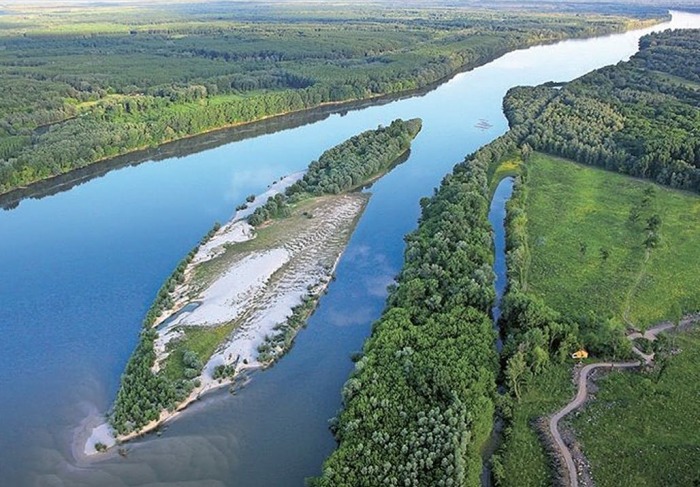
x=250, y=285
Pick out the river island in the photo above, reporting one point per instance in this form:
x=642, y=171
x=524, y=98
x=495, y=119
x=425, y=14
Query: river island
x=237, y=300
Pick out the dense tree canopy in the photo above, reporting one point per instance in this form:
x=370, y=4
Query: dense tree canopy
x=420, y=403
x=346, y=166
x=641, y=117
x=81, y=85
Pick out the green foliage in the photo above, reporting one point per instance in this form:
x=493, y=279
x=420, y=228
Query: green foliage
x=419, y=406
x=274, y=346
x=346, y=166
x=521, y=460
x=640, y=118
x=568, y=205
x=642, y=428
x=82, y=85
x=192, y=350
x=224, y=371
x=142, y=393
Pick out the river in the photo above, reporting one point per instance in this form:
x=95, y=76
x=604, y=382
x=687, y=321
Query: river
x=80, y=267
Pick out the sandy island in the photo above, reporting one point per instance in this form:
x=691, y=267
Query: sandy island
x=249, y=279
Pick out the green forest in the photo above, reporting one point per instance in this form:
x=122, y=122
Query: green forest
x=639, y=117
x=345, y=167
x=420, y=404
x=144, y=394
x=86, y=84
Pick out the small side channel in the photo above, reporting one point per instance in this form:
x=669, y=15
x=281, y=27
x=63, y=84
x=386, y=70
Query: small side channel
x=497, y=216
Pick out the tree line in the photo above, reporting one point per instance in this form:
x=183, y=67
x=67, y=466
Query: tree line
x=640, y=117
x=419, y=405
x=143, y=394
x=346, y=166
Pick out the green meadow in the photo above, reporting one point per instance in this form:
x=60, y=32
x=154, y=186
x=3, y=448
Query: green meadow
x=587, y=230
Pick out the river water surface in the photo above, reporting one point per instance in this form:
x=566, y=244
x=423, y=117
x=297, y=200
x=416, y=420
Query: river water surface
x=79, y=269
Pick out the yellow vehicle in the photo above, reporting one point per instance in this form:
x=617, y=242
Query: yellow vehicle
x=580, y=354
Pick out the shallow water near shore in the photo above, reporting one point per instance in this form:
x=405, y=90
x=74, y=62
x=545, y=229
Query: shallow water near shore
x=79, y=270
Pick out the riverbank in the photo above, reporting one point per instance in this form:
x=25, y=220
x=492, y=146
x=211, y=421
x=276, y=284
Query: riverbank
x=47, y=184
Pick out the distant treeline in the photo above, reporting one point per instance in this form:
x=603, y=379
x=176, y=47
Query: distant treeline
x=87, y=85
x=419, y=406
x=344, y=167
x=640, y=118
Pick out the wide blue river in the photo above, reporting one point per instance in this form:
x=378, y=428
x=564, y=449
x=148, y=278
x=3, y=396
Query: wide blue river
x=79, y=269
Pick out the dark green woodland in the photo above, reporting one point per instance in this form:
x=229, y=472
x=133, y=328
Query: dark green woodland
x=86, y=84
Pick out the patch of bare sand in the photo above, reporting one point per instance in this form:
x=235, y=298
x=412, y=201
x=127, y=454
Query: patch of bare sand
x=259, y=276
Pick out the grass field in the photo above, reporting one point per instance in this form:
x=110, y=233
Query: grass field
x=643, y=429
x=201, y=340
x=508, y=166
x=588, y=256
x=522, y=457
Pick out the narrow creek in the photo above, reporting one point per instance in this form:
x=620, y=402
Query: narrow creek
x=497, y=217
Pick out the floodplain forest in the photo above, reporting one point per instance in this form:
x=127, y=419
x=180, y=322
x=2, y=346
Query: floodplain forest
x=86, y=84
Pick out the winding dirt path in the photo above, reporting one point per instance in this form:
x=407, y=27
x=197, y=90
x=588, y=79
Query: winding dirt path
x=580, y=398
x=582, y=395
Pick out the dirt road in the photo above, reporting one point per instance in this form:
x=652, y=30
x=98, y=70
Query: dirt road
x=580, y=398
x=582, y=395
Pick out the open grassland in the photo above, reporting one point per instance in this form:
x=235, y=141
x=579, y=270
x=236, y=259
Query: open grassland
x=588, y=252
x=203, y=341
x=522, y=462
x=642, y=429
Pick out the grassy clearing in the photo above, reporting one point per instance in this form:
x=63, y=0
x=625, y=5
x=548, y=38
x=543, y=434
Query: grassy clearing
x=643, y=429
x=201, y=340
x=589, y=257
x=511, y=165
x=522, y=458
